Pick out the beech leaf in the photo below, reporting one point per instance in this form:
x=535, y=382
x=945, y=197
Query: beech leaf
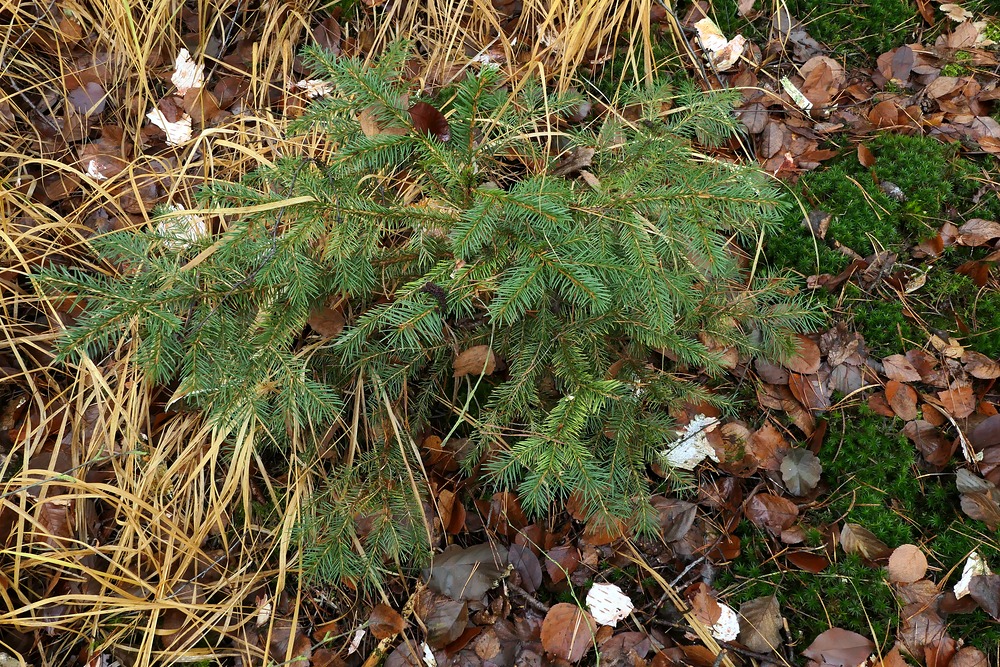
x=840, y=648
x=429, y=120
x=475, y=361
x=907, y=564
x=857, y=539
x=760, y=624
x=567, y=632
x=466, y=574
x=772, y=512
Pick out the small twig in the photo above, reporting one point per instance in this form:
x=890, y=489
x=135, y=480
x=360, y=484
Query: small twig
x=529, y=599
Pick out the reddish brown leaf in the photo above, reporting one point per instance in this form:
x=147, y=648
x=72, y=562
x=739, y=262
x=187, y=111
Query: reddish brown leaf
x=327, y=318
x=934, y=447
x=806, y=358
x=385, y=622
x=772, y=512
x=808, y=561
x=958, y=400
x=865, y=156
x=567, y=632
x=884, y=114
x=768, y=446
x=902, y=398
x=429, y=120
x=703, y=603
x=562, y=561
x=810, y=391
x=840, y=648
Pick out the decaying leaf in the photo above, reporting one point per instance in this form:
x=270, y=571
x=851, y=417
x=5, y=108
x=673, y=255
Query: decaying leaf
x=466, y=574
x=975, y=566
x=840, y=648
x=187, y=73
x=567, y=632
x=693, y=446
x=907, y=564
x=178, y=131
x=477, y=360
x=800, y=470
x=857, y=539
x=771, y=512
x=385, y=622
x=760, y=624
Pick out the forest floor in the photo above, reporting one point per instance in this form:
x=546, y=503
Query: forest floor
x=852, y=514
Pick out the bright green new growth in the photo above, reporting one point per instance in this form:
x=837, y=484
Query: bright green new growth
x=437, y=246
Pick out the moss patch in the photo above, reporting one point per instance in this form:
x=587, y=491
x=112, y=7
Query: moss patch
x=875, y=482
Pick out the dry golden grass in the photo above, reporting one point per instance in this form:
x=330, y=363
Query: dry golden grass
x=130, y=530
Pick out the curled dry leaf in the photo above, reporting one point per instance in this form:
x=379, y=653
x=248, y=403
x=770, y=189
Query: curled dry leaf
x=428, y=120
x=980, y=366
x=865, y=156
x=857, y=539
x=385, y=622
x=977, y=232
x=478, y=360
x=567, y=632
x=907, y=564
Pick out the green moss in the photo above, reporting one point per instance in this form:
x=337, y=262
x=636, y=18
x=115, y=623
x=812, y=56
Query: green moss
x=962, y=309
x=858, y=27
x=863, y=217
x=875, y=482
x=881, y=322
